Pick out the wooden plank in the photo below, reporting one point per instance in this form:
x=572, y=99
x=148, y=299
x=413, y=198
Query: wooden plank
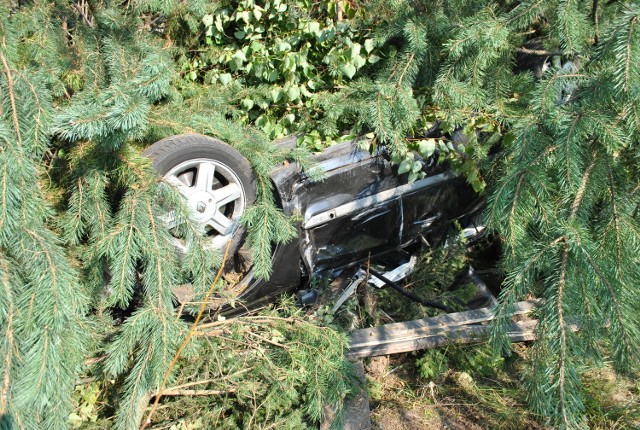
x=428, y=326
x=518, y=332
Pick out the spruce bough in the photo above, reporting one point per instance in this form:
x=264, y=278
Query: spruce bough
x=82, y=242
x=82, y=89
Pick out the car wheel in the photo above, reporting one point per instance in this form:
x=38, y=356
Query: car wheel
x=215, y=179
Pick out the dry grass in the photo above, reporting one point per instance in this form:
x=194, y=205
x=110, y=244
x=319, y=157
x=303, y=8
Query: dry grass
x=401, y=399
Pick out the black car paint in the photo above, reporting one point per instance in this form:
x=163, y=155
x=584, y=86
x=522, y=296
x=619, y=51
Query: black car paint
x=328, y=240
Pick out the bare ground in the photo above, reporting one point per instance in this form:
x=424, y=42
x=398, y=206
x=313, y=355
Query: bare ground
x=401, y=399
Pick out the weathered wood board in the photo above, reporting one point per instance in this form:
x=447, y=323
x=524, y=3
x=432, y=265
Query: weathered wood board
x=454, y=328
x=458, y=327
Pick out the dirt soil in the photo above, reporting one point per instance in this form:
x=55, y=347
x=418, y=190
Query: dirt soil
x=401, y=399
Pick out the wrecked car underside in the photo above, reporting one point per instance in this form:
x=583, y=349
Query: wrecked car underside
x=360, y=210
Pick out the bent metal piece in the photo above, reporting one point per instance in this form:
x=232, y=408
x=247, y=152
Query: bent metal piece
x=366, y=202
x=356, y=280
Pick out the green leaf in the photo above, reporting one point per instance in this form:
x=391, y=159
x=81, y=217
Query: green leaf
x=354, y=51
x=349, y=70
x=396, y=158
x=369, y=45
x=359, y=61
x=284, y=46
x=256, y=46
x=240, y=55
x=289, y=62
x=373, y=59
x=247, y=103
x=225, y=78
x=427, y=147
x=219, y=26
x=207, y=20
x=244, y=15
x=293, y=93
x=405, y=166
x=417, y=166
x=313, y=27
x=276, y=94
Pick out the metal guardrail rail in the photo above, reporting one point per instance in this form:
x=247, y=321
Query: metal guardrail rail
x=453, y=328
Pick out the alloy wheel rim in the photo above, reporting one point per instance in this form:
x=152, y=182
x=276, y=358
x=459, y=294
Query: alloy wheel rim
x=214, y=194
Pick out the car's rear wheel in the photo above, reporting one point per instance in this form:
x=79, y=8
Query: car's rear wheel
x=215, y=179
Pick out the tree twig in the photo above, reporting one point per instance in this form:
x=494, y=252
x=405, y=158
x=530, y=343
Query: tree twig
x=264, y=339
x=542, y=52
x=12, y=98
x=170, y=392
x=187, y=339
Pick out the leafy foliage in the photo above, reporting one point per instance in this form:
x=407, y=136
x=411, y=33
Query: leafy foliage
x=286, y=53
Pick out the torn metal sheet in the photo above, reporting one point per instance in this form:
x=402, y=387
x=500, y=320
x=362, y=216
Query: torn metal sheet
x=356, y=280
x=396, y=274
x=360, y=210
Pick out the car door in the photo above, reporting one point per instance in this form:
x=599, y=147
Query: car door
x=352, y=212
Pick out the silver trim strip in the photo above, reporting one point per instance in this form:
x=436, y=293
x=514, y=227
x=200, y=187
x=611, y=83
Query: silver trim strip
x=370, y=201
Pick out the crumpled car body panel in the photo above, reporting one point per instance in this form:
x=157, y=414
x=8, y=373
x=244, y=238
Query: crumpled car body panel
x=361, y=209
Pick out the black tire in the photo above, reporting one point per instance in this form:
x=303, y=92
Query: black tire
x=173, y=154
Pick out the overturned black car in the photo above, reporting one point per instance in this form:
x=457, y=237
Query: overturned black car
x=362, y=208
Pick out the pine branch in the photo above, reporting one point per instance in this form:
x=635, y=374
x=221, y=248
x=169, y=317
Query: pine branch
x=514, y=205
x=568, y=24
x=404, y=71
x=563, y=337
x=160, y=284
x=525, y=9
x=76, y=210
x=627, y=61
x=176, y=392
x=583, y=186
x=12, y=97
x=541, y=52
x=616, y=219
x=552, y=81
x=618, y=315
x=39, y=107
x=187, y=338
x=568, y=146
x=9, y=348
x=130, y=414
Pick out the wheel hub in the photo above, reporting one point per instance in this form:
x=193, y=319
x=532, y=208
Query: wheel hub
x=203, y=204
x=209, y=187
